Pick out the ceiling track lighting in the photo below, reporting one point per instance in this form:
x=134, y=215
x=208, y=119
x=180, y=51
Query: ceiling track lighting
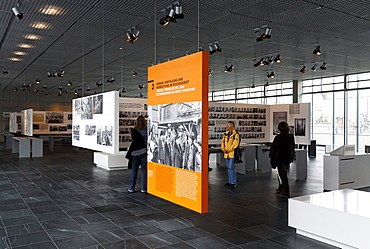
x=17, y=12
x=178, y=11
x=45, y=86
x=99, y=83
x=210, y=72
x=267, y=60
x=60, y=94
x=141, y=95
x=88, y=88
x=141, y=86
x=37, y=81
x=277, y=59
x=323, y=66
x=66, y=91
x=214, y=48
x=174, y=12
x=46, y=93
x=317, y=50
x=263, y=33
x=134, y=73
x=35, y=90
x=5, y=71
x=60, y=87
x=270, y=75
x=132, y=35
x=69, y=83
x=111, y=80
x=76, y=92
x=60, y=73
x=303, y=69
x=123, y=90
x=314, y=67
x=79, y=88
x=15, y=89
x=229, y=69
x=49, y=74
x=253, y=85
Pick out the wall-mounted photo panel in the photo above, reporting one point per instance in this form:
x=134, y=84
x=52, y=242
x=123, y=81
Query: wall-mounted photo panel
x=15, y=122
x=51, y=122
x=178, y=131
x=129, y=110
x=95, y=122
x=27, y=122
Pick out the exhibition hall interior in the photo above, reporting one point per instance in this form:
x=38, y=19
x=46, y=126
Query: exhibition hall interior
x=78, y=77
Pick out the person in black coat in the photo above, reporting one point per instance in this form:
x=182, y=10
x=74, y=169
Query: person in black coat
x=282, y=154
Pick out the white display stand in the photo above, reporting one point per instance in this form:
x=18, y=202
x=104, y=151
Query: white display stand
x=8, y=141
x=300, y=163
x=52, y=138
x=263, y=161
x=340, y=218
x=346, y=171
x=111, y=161
x=37, y=145
x=22, y=146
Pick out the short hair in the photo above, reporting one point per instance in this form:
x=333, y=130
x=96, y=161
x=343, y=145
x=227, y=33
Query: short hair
x=231, y=123
x=283, y=127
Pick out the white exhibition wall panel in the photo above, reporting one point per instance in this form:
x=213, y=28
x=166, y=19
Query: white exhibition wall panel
x=129, y=110
x=26, y=119
x=297, y=116
x=95, y=122
x=251, y=121
x=15, y=121
x=52, y=122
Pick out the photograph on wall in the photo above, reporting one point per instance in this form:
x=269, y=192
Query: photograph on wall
x=98, y=104
x=69, y=116
x=77, y=107
x=36, y=126
x=278, y=117
x=38, y=117
x=62, y=128
x=54, y=117
x=53, y=128
x=86, y=108
x=300, y=127
x=90, y=130
x=76, y=132
x=294, y=109
x=105, y=135
x=175, y=135
x=69, y=127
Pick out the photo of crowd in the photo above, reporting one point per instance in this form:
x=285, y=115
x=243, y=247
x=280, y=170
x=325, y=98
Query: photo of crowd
x=54, y=117
x=90, y=130
x=105, y=135
x=86, y=108
x=98, y=104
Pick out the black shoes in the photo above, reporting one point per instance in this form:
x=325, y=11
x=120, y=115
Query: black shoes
x=228, y=184
x=209, y=169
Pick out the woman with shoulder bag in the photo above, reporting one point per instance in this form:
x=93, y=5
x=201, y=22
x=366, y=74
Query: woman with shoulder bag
x=230, y=142
x=138, y=154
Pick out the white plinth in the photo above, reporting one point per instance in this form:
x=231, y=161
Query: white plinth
x=111, y=161
x=340, y=218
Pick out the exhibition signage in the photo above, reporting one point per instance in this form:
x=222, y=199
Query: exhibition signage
x=178, y=131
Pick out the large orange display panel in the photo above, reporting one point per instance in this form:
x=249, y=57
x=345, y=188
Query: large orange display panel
x=178, y=131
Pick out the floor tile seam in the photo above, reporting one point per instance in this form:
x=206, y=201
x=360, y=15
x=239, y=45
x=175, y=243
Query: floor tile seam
x=181, y=241
x=215, y=236
x=45, y=230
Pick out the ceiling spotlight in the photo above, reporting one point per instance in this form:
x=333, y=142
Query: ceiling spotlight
x=168, y=18
x=51, y=10
x=37, y=81
x=66, y=91
x=210, y=72
x=303, y=69
x=141, y=95
x=95, y=92
x=24, y=85
x=45, y=86
x=60, y=87
x=35, y=90
x=111, y=80
x=323, y=66
x=259, y=63
x=88, y=88
x=15, y=89
x=49, y=74
x=229, y=69
x=60, y=93
x=69, y=83
x=99, y=83
x=5, y=71
x=314, y=67
x=132, y=35
x=141, y=86
x=266, y=33
x=25, y=45
x=123, y=90
x=277, y=59
x=267, y=84
x=17, y=12
x=270, y=75
x=253, y=85
x=46, y=93
x=76, y=92
x=134, y=73
x=317, y=50
x=214, y=48
x=178, y=11
x=60, y=73
x=79, y=88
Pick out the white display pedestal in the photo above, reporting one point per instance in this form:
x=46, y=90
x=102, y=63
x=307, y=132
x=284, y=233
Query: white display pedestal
x=37, y=147
x=340, y=218
x=301, y=164
x=22, y=146
x=346, y=171
x=111, y=161
x=8, y=140
x=264, y=160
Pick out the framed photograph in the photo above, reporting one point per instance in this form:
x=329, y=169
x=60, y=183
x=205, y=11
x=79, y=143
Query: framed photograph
x=300, y=127
x=277, y=118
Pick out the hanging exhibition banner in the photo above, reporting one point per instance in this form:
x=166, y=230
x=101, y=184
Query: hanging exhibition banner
x=178, y=131
x=95, y=122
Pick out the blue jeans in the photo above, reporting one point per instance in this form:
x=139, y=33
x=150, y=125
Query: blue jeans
x=231, y=173
x=136, y=162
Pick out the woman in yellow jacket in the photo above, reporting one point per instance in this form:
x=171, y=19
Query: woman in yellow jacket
x=230, y=142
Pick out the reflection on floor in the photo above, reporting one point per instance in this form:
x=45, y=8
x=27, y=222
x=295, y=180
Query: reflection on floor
x=63, y=201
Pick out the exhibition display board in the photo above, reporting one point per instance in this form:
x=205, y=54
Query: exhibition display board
x=178, y=131
x=129, y=110
x=95, y=122
x=50, y=122
x=27, y=119
x=15, y=122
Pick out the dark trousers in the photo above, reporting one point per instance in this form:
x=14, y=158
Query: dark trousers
x=283, y=182
x=136, y=162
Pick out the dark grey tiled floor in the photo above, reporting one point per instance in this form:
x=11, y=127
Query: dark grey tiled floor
x=63, y=201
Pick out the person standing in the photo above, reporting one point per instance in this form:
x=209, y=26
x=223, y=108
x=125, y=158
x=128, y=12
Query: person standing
x=138, y=154
x=282, y=154
x=230, y=142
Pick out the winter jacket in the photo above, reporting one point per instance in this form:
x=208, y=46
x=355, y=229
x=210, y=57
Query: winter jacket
x=230, y=142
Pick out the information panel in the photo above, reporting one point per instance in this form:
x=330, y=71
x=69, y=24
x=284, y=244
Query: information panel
x=178, y=131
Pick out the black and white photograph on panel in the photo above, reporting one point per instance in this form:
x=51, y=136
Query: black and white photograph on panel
x=300, y=127
x=105, y=135
x=62, y=128
x=278, y=117
x=86, y=108
x=98, y=104
x=69, y=127
x=90, y=130
x=69, y=116
x=36, y=126
x=175, y=135
x=76, y=132
x=54, y=117
x=53, y=128
x=77, y=107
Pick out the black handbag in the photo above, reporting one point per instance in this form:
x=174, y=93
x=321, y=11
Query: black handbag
x=238, y=155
